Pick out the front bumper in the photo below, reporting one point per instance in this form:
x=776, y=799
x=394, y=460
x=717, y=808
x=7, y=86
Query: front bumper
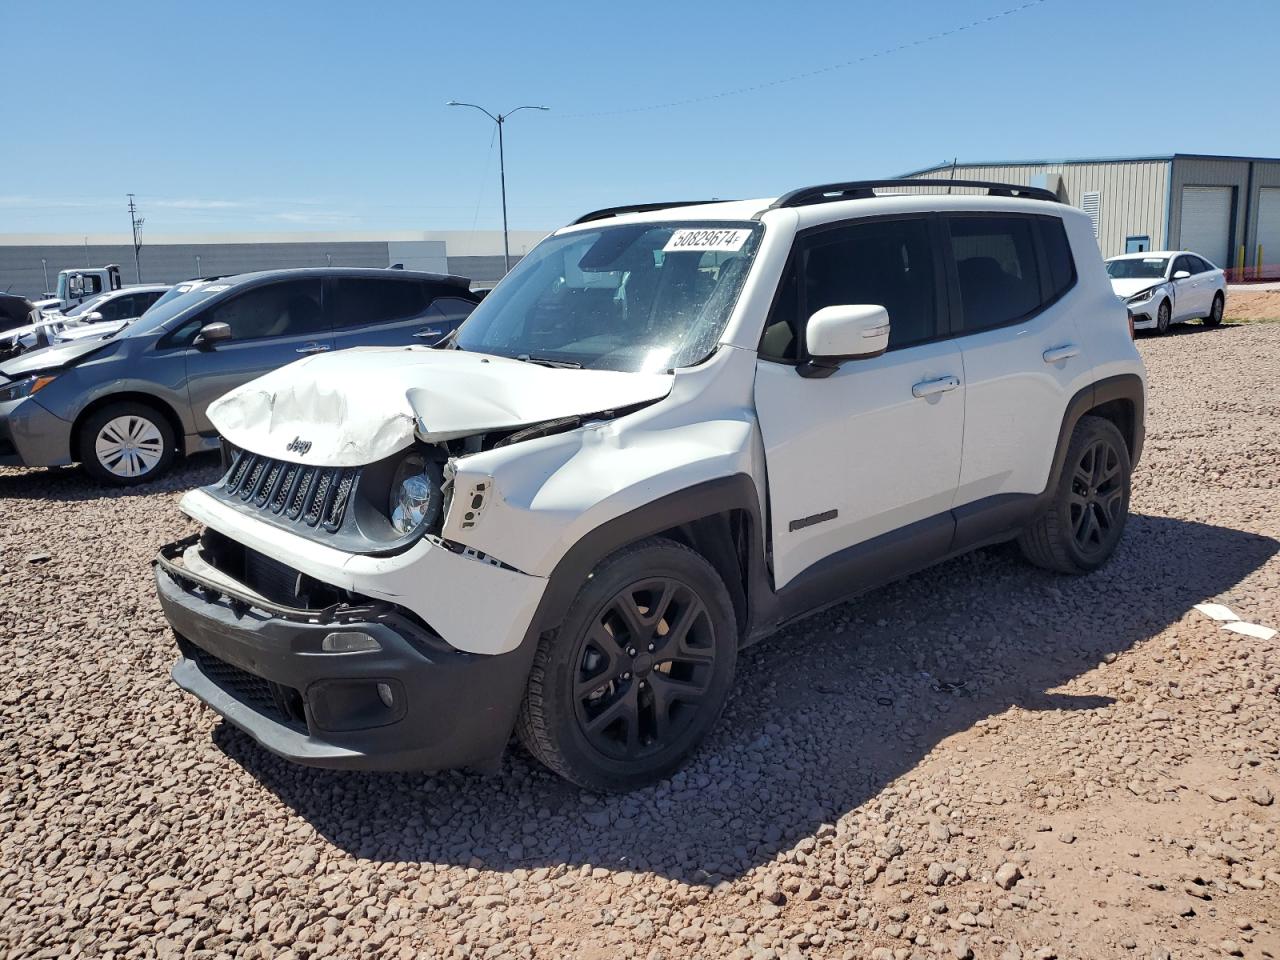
x=1144, y=314
x=31, y=436
x=262, y=667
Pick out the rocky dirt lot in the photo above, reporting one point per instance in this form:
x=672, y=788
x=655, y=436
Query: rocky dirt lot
x=985, y=760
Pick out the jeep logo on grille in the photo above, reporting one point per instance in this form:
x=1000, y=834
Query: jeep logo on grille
x=299, y=446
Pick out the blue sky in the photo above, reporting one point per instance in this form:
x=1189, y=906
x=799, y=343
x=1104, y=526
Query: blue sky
x=242, y=116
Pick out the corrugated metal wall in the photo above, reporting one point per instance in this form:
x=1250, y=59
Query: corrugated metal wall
x=21, y=272
x=1132, y=193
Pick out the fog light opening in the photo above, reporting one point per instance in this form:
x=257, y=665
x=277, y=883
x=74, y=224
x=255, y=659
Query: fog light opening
x=385, y=695
x=349, y=641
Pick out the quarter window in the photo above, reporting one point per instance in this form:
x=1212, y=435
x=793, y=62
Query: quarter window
x=284, y=309
x=888, y=263
x=997, y=270
x=1057, y=255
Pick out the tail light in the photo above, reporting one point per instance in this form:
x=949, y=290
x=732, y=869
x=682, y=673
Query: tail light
x=1131, y=334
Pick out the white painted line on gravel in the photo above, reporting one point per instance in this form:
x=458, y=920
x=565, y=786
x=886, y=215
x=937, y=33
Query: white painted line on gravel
x=1216, y=611
x=1255, y=630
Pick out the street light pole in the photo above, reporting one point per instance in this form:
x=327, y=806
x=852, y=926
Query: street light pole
x=500, y=119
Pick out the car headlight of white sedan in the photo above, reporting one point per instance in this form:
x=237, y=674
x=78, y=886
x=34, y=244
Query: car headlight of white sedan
x=1142, y=297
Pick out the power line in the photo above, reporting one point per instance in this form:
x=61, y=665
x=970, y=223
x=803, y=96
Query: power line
x=887, y=51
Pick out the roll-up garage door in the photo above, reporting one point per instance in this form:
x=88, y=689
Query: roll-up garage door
x=1206, y=222
x=1268, y=227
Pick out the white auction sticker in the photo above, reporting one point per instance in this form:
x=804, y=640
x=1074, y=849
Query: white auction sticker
x=706, y=241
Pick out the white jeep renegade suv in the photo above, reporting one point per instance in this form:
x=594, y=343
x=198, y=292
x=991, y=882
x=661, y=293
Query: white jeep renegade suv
x=670, y=430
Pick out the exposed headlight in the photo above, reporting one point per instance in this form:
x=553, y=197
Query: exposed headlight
x=1142, y=297
x=415, y=494
x=24, y=388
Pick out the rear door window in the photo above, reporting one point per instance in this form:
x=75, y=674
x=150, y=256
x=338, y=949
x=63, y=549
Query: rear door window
x=290, y=308
x=997, y=270
x=361, y=302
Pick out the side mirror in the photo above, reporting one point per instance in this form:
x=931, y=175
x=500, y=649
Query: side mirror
x=844, y=332
x=1181, y=275
x=93, y=317
x=212, y=333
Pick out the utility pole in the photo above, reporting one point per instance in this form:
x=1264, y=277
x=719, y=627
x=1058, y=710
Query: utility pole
x=500, y=119
x=136, y=223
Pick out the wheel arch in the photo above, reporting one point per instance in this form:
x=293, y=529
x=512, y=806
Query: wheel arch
x=128, y=396
x=719, y=518
x=1120, y=399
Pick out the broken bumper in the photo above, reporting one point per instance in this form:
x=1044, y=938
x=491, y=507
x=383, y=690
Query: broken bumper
x=408, y=702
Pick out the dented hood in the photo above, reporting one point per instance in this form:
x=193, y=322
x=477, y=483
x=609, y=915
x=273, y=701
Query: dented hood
x=358, y=406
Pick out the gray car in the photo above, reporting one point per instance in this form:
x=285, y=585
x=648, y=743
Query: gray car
x=126, y=405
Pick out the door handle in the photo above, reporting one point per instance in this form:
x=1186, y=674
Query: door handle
x=1058, y=354
x=429, y=332
x=313, y=348
x=927, y=388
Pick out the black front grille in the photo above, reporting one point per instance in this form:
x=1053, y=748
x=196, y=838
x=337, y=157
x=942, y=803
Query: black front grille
x=314, y=496
x=280, y=703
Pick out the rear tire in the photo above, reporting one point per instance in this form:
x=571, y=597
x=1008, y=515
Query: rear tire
x=1164, y=313
x=1085, y=519
x=126, y=443
x=1214, y=318
x=622, y=694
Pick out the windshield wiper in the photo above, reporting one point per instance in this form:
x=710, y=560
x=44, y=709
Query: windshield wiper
x=548, y=362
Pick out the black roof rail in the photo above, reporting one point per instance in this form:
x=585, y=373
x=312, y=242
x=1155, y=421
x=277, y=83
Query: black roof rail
x=608, y=212
x=865, y=190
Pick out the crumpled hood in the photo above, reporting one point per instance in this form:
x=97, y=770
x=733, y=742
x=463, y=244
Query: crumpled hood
x=358, y=406
x=1128, y=287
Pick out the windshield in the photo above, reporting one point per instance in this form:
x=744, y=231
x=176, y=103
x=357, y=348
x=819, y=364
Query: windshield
x=85, y=307
x=1145, y=268
x=180, y=298
x=641, y=297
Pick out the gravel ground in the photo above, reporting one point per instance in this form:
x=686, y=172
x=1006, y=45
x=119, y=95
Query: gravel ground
x=984, y=760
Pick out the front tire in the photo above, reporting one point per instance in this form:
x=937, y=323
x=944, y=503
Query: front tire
x=126, y=443
x=1214, y=318
x=639, y=672
x=1164, y=313
x=1084, y=521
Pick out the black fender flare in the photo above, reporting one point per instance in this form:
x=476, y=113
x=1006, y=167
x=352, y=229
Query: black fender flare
x=702, y=500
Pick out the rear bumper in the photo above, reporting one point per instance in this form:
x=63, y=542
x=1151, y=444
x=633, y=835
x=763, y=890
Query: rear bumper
x=31, y=436
x=264, y=670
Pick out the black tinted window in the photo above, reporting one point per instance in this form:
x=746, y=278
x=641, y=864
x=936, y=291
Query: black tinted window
x=888, y=263
x=1200, y=265
x=284, y=309
x=1057, y=253
x=359, y=302
x=996, y=265
x=1182, y=263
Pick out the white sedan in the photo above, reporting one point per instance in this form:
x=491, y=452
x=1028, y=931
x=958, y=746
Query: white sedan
x=1168, y=286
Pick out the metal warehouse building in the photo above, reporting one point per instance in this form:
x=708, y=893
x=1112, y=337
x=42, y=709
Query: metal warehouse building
x=1226, y=208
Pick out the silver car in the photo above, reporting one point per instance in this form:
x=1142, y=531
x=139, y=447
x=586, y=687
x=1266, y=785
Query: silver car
x=126, y=405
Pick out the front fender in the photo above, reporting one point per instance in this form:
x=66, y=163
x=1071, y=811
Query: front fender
x=532, y=510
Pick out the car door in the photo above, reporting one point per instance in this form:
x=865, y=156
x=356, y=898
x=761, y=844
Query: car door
x=272, y=324
x=1186, y=290
x=875, y=447
x=379, y=311
x=1011, y=280
x=1206, y=285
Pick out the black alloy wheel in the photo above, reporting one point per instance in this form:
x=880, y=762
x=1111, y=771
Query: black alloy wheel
x=1097, y=498
x=643, y=669
x=624, y=690
x=1163, y=315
